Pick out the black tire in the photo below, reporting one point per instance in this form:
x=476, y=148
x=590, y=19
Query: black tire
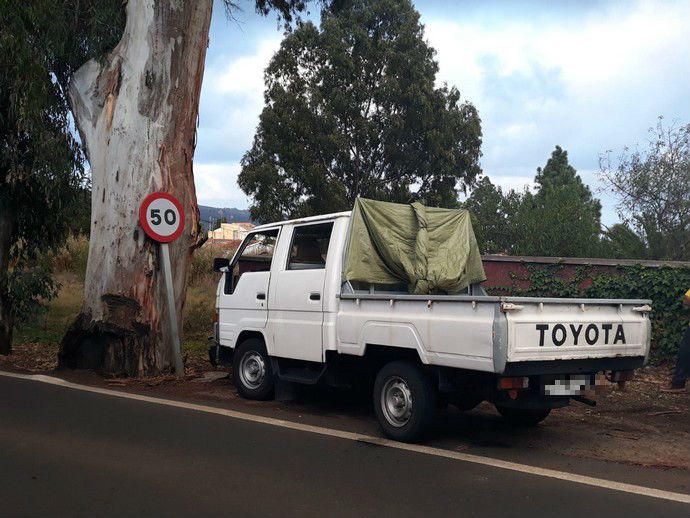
x=248, y=355
x=523, y=416
x=409, y=380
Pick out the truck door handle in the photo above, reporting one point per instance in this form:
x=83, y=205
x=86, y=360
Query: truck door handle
x=261, y=296
x=314, y=295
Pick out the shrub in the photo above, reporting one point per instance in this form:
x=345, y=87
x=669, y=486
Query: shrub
x=201, y=269
x=198, y=313
x=72, y=257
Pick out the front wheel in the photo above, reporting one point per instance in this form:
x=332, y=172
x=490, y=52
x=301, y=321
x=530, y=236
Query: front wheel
x=523, y=416
x=251, y=370
x=404, y=401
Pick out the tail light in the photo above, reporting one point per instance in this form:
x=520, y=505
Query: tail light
x=513, y=383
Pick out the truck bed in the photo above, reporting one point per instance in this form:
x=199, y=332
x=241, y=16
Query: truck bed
x=498, y=334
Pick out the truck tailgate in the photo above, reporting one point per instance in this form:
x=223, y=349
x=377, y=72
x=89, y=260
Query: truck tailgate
x=567, y=329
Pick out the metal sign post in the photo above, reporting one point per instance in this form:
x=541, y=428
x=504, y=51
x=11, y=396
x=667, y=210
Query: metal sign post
x=162, y=218
x=172, y=313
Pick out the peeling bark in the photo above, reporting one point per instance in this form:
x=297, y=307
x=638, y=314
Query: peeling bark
x=136, y=112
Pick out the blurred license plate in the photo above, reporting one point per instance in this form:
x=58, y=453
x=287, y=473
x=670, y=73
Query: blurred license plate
x=568, y=385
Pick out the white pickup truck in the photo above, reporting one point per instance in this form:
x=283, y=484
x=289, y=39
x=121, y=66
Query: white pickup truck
x=284, y=314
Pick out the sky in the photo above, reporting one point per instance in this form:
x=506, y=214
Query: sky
x=590, y=76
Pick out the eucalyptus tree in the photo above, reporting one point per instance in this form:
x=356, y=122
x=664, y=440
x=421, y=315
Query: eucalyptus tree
x=41, y=165
x=136, y=109
x=130, y=75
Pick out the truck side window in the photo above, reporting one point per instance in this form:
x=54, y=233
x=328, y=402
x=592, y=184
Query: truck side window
x=256, y=256
x=310, y=246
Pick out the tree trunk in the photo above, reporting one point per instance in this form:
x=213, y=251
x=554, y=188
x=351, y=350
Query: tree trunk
x=136, y=112
x=6, y=316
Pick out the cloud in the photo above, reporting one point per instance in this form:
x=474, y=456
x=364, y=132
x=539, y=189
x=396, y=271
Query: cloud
x=607, y=52
x=216, y=185
x=512, y=182
x=588, y=81
x=586, y=76
x=244, y=76
x=231, y=102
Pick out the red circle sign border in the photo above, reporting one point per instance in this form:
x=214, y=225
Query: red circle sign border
x=145, y=224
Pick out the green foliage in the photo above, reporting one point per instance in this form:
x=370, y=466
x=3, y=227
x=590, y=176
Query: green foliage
x=491, y=217
x=562, y=218
x=29, y=289
x=80, y=212
x=621, y=242
x=664, y=286
x=287, y=10
x=49, y=323
x=548, y=281
x=653, y=189
x=352, y=110
x=42, y=179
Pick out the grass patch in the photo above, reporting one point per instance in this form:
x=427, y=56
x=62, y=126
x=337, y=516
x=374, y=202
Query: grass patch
x=198, y=315
x=47, y=328
x=50, y=325
x=73, y=256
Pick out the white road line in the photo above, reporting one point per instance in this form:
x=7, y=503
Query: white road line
x=417, y=448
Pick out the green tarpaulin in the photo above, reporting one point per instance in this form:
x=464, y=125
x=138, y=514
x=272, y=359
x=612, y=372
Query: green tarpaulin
x=430, y=250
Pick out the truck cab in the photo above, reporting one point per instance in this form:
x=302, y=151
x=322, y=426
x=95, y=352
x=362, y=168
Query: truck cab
x=284, y=314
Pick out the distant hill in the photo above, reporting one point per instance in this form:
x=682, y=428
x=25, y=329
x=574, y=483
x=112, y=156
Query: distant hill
x=209, y=215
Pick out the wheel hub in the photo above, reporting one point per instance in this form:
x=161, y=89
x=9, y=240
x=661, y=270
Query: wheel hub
x=396, y=401
x=252, y=370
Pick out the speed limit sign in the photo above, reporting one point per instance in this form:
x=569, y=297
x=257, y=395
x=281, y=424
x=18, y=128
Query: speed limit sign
x=162, y=217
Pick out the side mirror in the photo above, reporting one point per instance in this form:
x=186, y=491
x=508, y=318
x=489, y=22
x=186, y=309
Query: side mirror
x=220, y=264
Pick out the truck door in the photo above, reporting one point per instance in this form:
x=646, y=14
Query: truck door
x=243, y=300
x=296, y=304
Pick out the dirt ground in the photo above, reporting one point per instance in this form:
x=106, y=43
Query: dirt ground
x=638, y=425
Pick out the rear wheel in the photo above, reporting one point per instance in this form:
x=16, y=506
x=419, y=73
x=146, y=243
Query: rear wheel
x=523, y=416
x=405, y=401
x=251, y=370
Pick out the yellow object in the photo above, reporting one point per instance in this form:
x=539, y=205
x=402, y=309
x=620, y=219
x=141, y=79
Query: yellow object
x=230, y=231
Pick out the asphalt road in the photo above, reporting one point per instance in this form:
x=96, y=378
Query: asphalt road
x=69, y=453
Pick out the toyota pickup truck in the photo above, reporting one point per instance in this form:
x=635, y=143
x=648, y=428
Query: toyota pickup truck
x=286, y=314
